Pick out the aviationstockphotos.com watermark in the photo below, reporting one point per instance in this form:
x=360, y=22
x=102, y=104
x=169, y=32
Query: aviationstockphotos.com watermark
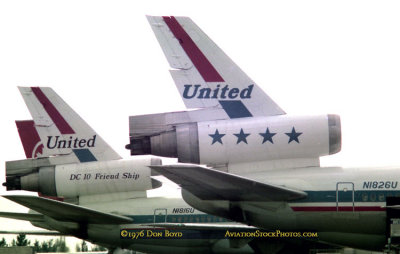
x=162, y=233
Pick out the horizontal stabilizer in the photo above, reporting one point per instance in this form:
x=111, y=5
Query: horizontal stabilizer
x=68, y=212
x=23, y=216
x=44, y=232
x=210, y=184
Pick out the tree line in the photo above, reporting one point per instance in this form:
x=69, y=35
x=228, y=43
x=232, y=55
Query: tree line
x=52, y=245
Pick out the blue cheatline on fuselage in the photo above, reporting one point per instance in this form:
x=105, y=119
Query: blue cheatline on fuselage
x=177, y=218
x=364, y=200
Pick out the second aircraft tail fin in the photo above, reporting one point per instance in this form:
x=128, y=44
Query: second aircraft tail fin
x=30, y=139
x=57, y=129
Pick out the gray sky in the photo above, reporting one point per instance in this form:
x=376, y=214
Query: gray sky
x=311, y=57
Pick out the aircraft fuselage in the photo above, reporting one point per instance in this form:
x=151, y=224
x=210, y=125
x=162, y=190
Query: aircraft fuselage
x=148, y=211
x=345, y=206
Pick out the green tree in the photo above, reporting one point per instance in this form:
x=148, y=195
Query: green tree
x=36, y=246
x=50, y=244
x=84, y=246
x=44, y=247
x=22, y=241
x=78, y=247
x=60, y=245
x=98, y=248
x=3, y=242
x=81, y=247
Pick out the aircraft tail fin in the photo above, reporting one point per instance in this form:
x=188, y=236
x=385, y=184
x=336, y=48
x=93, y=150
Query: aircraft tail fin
x=30, y=139
x=204, y=75
x=57, y=129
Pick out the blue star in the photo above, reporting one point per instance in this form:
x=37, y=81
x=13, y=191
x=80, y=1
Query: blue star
x=216, y=137
x=294, y=136
x=267, y=136
x=241, y=136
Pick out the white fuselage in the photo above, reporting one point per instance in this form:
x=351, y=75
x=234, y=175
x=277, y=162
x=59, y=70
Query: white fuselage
x=345, y=206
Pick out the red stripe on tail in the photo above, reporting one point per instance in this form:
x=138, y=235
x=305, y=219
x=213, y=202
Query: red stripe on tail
x=207, y=71
x=57, y=118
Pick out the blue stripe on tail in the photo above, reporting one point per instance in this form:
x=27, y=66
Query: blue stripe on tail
x=84, y=155
x=235, y=109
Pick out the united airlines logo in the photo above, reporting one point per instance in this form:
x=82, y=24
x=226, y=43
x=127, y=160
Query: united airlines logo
x=58, y=142
x=195, y=91
x=37, y=150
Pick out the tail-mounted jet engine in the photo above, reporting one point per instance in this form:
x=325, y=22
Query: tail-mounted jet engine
x=218, y=142
x=71, y=180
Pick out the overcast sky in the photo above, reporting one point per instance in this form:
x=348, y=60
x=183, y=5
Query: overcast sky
x=311, y=57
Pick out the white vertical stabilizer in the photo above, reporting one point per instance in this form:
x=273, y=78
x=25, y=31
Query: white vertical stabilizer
x=61, y=130
x=204, y=75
